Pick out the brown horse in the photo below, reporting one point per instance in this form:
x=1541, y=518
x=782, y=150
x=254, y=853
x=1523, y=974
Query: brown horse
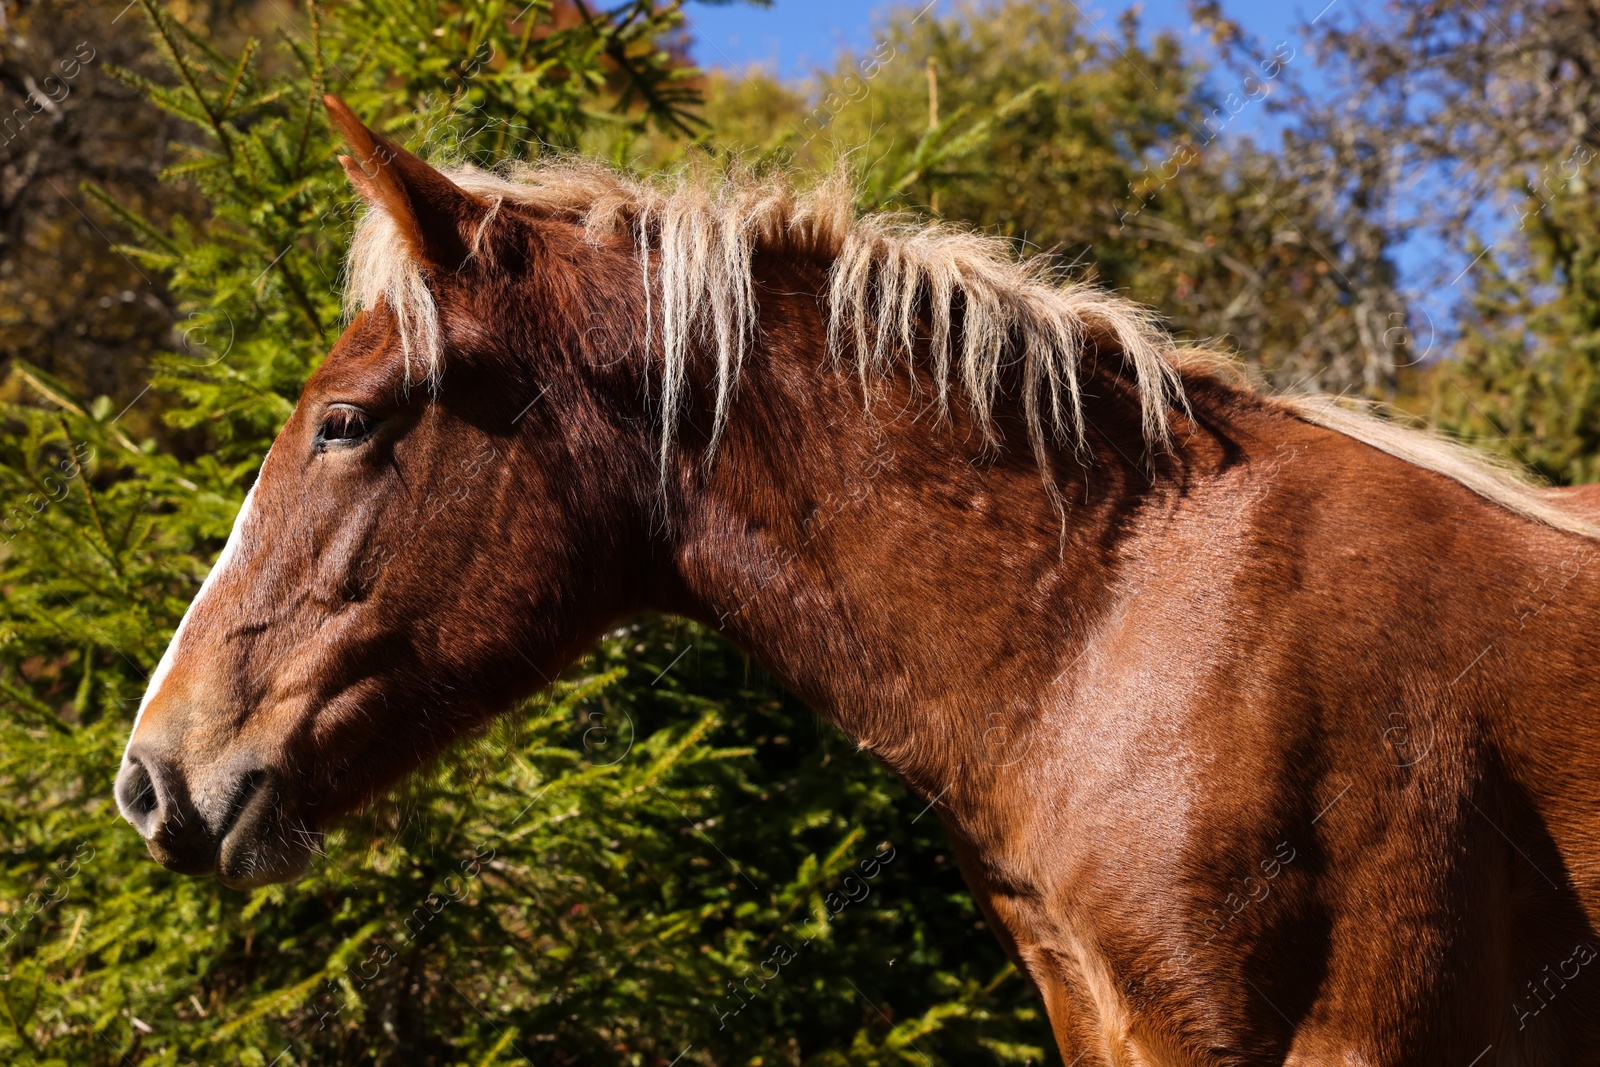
x=1265, y=732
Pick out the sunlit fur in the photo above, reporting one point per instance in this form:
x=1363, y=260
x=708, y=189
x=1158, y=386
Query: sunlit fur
x=696, y=232
x=1260, y=745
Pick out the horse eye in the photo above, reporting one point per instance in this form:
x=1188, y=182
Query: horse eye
x=344, y=423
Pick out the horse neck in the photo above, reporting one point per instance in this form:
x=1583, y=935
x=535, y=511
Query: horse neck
x=916, y=588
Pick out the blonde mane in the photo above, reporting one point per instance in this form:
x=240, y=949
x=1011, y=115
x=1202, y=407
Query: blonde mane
x=695, y=235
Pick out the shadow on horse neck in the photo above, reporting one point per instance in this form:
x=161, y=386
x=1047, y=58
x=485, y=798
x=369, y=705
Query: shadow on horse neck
x=1264, y=731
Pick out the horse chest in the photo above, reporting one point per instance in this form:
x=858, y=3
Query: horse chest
x=1123, y=890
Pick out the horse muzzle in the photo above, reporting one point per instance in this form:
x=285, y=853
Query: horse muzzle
x=237, y=827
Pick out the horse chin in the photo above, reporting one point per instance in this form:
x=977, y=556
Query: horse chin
x=248, y=865
x=261, y=847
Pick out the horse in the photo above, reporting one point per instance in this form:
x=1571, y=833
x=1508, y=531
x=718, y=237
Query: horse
x=1264, y=730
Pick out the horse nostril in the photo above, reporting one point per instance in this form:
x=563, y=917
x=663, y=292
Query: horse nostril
x=154, y=797
x=137, y=797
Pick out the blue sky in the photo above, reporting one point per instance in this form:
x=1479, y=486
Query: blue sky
x=796, y=36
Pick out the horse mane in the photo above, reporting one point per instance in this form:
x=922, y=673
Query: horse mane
x=696, y=232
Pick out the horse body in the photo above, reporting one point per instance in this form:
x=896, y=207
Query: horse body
x=1256, y=743
x=1240, y=771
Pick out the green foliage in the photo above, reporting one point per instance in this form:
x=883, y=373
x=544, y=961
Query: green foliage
x=661, y=861
x=1526, y=382
x=586, y=884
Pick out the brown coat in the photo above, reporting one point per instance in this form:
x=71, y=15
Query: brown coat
x=1257, y=743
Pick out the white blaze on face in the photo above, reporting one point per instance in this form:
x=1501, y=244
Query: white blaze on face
x=224, y=560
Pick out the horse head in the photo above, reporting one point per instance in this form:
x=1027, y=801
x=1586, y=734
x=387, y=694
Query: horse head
x=420, y=548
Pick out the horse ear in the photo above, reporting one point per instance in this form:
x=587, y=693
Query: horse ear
x=433, y=213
